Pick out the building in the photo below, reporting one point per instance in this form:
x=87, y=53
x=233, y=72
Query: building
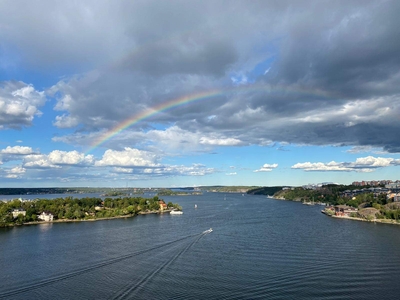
x=393, y=185
x=18, y=211
x=162, y=204
x=46, y=216
x=344, y=210
x=394, y=196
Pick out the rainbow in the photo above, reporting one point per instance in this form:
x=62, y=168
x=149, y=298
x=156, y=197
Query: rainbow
x=190, y=99
x=151, y=112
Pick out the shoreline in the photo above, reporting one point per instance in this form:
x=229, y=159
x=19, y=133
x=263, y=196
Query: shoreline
x=382, y=221
x=91, y=220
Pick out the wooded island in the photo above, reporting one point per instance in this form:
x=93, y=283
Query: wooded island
x=19, y=212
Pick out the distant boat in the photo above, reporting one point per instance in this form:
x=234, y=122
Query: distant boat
x=309, y=202
x=208, y=231
x=195, y=206
x=268, y=196
x=176, y=212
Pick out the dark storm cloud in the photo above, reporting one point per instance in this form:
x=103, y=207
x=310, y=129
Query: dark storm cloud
x=352, y=52
x=331, y=68
x=210, y=58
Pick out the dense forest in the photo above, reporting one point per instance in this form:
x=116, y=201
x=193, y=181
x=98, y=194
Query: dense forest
x=70, y=208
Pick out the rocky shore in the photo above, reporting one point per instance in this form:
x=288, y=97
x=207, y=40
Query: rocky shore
x=383, y=221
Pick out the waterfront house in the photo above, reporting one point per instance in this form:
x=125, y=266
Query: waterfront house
x=18, y=211
x=344, y=210
x=162, y=205
x=46, y=216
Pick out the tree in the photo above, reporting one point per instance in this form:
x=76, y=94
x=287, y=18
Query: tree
x=20, y=219
x=78, y=214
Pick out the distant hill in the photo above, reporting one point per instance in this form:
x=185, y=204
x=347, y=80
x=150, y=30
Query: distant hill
x=267, y=190
x=54, y=190
x=227, y=189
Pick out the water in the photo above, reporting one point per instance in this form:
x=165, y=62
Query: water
x=49, y=196
x=260, y=248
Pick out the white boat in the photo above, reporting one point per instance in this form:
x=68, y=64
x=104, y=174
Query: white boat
x=176, y=212
x=308, y=203
x=195, y=206
x=208, y=231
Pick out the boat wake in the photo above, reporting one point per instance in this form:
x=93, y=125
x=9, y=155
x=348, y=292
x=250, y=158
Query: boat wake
x=54, y=279
x=132, y=290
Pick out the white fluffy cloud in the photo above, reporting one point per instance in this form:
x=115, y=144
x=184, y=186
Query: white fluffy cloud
x=19, y=104
x=129, y=157
x=65, y=121
x=17, y=150
x=15, y=153
x=362, y=164
x=267, y=168
x=331, y=166
x=38, y=161
x=220, y=141
x=15, y=172
x=57, y=158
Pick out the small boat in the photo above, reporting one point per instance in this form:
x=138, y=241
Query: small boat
x=195, y=206
x=208, y=231
x=176, y=212
x=308, y=203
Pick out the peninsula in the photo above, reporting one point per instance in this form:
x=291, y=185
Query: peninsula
x=378, y=203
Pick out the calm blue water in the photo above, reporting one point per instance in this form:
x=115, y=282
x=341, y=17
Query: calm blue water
x=47, y=196
x=260, y=249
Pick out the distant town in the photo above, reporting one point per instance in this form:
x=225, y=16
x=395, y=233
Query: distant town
x=376, y=187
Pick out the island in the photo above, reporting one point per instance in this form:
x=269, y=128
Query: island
x=69, y=209
x=169, y=192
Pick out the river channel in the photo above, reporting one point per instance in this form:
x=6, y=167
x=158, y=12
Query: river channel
x=259, y=248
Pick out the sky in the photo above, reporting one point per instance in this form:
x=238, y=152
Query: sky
x=193, y=93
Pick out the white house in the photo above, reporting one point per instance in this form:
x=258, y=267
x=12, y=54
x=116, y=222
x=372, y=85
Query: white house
x=18, y=211
x=46, y=216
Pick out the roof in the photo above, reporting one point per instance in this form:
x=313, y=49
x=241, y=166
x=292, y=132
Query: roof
x=46, y=213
